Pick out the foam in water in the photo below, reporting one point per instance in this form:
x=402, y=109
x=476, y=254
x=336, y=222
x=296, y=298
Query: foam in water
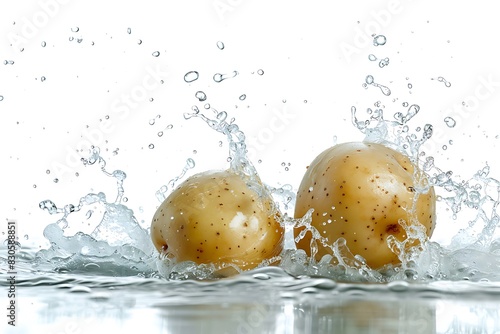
x=119, y=246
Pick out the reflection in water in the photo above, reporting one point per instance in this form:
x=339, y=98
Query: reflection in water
x=249, y=304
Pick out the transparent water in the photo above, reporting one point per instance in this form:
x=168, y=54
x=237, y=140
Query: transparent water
x=109, y=277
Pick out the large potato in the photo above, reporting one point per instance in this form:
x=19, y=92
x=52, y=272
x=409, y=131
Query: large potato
x=214, y=217
x=359, y=191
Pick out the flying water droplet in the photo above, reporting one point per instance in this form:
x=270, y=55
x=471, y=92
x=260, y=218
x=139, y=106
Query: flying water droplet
x=129, y=31
x=243, y=97
x=218, y=77
x=156, y=54
x=201, y=96
x=151, y=146
x=220, y=45
x=443, y=80
x=75, y=29
x=372, y=57
x=450, y=122
x=379, y=40
x=369, y=80
x=383, y=62
x=44, y=44
x=42, y=79
x=260, y=72
x=191, y=76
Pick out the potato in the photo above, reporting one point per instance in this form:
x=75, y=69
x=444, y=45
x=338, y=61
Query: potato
x=359, y=191
x=215, y=217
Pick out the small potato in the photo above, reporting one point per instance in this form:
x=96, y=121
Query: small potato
x=359, y=191
x=214, y=217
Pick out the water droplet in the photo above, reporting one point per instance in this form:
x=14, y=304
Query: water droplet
x=242, y=97
x=190, y=163
x=372, y=57
x=191, y=76
x=445, y=147
x=383, y=62
x=379, y=40
x=125, y=199
x=151, y=146
x=56, y=180
x=410, y=86
x=152, y=121
x=170, y=126
x=26, y=237
x=220, y=45
x=47, y=171
x=34, y=186
x=218, y=77
x=1, y=97
x=75, y=29
x=139, y=41
x=43, y=44
x=405, y=104
x=259, y=161
x=156, y=54
x=369, y=80
x=201, y=96
x=42, y=79
x=260, y=72
x=450, y=122
x=443, y=80
x=160, y=133
x=129, y=31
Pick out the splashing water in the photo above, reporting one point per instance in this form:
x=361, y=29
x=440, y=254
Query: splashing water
x=118, y=245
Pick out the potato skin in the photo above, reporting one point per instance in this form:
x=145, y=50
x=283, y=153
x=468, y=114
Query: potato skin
x=359, y=191
x=214, y=217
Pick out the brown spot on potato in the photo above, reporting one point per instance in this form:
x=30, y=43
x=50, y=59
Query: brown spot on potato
x=392, y=228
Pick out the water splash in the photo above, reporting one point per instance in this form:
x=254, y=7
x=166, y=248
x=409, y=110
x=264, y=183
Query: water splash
x=161, y=193
x=118, y=245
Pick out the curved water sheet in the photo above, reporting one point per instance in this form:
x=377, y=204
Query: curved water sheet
x=117, y=246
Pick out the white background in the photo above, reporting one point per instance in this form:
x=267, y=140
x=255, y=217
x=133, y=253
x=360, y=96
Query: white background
x=314, y=55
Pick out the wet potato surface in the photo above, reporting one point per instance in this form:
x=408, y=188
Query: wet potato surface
x=359, y=191
x=214, y=217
